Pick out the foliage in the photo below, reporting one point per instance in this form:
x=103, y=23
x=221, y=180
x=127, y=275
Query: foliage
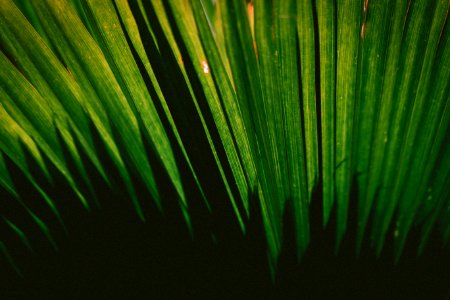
x=292, y=99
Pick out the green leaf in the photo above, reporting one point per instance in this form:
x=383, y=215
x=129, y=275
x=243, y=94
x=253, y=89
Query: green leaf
x=9, y=258
x=226, y=91
x=163, y=19
x=291, y=101
x=437, y=198
x=186, y=23
x=327, y=56
x=268, y=56
x=410, y=65
x=91, y=70
x=307, y=40
x=39, y=121
x=20, y=233
x=12, y=143
x=5, y=178
x=397, y=24
x=67, y=115
x=114, y=45
x=348, y=39
x=133, y=33
x=286, y=37
x=373, y=54
x=240, y=50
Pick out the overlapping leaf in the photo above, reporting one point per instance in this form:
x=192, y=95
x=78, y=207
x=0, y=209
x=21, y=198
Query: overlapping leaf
x=287, y=97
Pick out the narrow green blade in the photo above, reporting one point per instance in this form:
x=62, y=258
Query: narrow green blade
x=380, y=138
x=348, y=39
x=268, y=63
x=286, y=38
x=133, y=33
x=436, y=199
x=403, y=99
x=75, y=97
x=90, y=68
x=114, y=45
x=9, y=258
x=326, y=12
x=307, y=40
x=226, y=91
x=164, y=23
x=373, y=53
x=186, y=24
x=13, y=139
x=5, y=178
x=38, y=122
x=23, y=238
x=241, y=54
x=437, y=156
x=65, y=109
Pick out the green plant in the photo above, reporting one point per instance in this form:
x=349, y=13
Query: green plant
x=289, y=97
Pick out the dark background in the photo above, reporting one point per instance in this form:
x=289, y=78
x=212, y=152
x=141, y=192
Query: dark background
x=109, y=253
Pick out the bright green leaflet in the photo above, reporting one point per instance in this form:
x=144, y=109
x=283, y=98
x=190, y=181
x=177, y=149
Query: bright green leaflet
x=327, y=52
x=348, y=38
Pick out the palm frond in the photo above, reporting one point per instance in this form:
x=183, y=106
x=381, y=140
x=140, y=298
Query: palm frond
x=295, y=102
